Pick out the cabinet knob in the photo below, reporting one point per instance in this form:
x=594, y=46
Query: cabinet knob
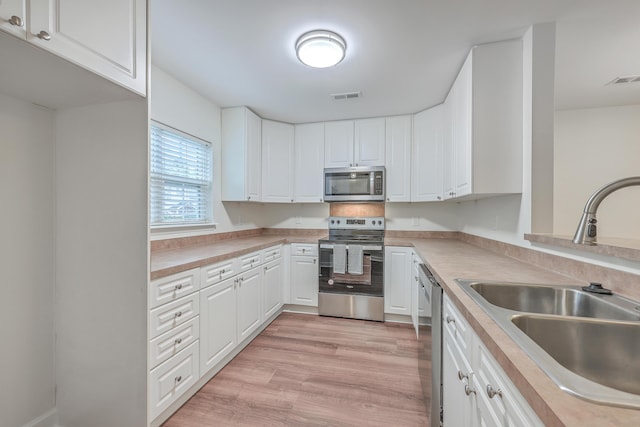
x=43, y=35
x=492, y=392
x=450, y=320
x=178, y=314
x=320, y=199
x=388, y=199
x=439, y=198
x=291, y=200
x=17, y=21
x=469, y=390
x=178, y=286
x=350, y=164
x=179, y=378
x=462, y=375
x=178, y=341
x=265, y=268
x=248, y=197
x=314, y=260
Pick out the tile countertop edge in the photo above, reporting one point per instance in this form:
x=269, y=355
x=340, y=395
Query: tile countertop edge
x=251, y=246
x=554, y=406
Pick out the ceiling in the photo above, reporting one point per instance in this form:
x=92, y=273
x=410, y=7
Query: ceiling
x=402, y=55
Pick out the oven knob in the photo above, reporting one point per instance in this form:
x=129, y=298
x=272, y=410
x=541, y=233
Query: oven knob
x=379, y=222
x=333, y=221
x=373, y=222
x=338, y=221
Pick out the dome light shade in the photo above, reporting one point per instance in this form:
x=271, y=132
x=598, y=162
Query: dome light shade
x=320, y=48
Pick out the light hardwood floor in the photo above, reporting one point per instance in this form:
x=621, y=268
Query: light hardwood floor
x=306, y=370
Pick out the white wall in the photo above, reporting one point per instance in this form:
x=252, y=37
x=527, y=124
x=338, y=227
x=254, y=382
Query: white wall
x=593, y=147
x=176, y=105
x=101, y=264
x=26, y=262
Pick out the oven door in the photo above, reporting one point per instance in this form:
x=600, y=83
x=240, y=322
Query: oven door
x=369, y=283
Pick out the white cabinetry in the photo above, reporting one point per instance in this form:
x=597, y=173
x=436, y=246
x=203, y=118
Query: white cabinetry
x=304, y=274
x=476, y=391
x=397, y=280
x=107, y=38
x=483, y=116
x=217, y=322
x=309, y=163
x=398, y=158
x=272, y=288
x=355, y=143
x=426, y=169
x=241, y=155
x=249, y=302
x=277, y=162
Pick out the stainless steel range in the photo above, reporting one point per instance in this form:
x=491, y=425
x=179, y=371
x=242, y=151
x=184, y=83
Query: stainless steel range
x=351, y=279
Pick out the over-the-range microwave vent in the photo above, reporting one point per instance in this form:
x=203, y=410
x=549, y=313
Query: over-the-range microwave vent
x=624, y=79
x=346, y=95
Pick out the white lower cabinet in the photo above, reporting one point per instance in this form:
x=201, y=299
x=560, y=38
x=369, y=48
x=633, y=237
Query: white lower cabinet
x=304, y=274
x=169, y=380
x=249, y=302
x=217, y=322
x=476, y=391
x=171, y=343
x=272, y=288
x=397, y=280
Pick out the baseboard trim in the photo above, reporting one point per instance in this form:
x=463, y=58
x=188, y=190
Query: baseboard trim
x=48, y=419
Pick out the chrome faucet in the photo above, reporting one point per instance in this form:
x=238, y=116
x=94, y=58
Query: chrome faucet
x=587, y=231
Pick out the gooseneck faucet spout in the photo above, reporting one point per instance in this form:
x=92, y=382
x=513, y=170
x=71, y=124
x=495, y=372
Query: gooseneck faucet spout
x=586, y=234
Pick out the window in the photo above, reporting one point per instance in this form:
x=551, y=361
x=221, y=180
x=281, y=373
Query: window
x=180, y=178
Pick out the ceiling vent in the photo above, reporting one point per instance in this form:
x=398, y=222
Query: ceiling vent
x=346, y=95
x=624, y=79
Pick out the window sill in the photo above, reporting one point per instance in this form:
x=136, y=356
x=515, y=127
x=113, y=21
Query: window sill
x=160, y=232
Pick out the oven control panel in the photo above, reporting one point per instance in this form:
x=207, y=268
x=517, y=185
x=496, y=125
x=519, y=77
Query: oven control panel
x=351, y=223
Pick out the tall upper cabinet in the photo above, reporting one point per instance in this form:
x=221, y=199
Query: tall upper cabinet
x=108, y=38
x=354, y=143
x=483, y=123
x=426, y=169
x=241, y=155
x=398, y=158
x=309, y=163
x=277, y=162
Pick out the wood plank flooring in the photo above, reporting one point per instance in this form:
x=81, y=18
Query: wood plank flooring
x=306, y=370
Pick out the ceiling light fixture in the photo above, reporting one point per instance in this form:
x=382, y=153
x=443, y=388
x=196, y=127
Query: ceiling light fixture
x=320, y=48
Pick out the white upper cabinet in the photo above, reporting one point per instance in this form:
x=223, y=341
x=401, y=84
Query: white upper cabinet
x=277, y=162
x=426, y=169
x=398, y=158
x=241, y=155
x=338, y=144
x=309, y=163
x=354, y=143
x=369, y=144
x=108, y=38
x=483, y=115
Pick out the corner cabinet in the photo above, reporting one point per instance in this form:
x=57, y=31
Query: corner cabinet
x=108, y=38
x=277, y=162
x=241, y=155
x=355, y=143
x=308, y=185
x=476, y=391
x=398, y=158
x=483, y=136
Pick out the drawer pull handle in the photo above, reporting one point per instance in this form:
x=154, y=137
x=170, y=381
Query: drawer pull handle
x=178, y=314
x=178, y=287
x=265, y=268
x=491, y=392
x=43, y=35
x=17, y=21
x=451, y=320
x=468, y=390
x=314, y=260
x=178, y=341
x=179, y=378
x=462, y=376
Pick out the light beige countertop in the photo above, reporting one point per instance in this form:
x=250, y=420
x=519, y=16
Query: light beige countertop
x=449, y=259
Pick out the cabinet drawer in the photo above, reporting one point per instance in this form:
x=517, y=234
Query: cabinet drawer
x=215, y=273
x=168, y=316
x=171, y=288
x=248, y=261
x=310, y=249
x=457, y=325
x=269, y=254
x=170, y=343
x=169, y=380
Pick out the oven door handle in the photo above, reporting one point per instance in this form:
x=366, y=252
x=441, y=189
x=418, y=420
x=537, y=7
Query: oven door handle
x=364, y=247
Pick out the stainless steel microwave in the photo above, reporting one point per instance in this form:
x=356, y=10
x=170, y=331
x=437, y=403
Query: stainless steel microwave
x=356, y=184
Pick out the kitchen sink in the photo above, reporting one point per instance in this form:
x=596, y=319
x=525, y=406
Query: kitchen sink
x=587, y=343
x=545, y=299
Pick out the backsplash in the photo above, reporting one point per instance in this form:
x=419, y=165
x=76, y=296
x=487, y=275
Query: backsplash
x=357, y=209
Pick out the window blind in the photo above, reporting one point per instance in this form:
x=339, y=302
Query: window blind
x=180, y=178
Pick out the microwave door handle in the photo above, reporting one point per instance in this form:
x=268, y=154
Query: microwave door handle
x=372, y=187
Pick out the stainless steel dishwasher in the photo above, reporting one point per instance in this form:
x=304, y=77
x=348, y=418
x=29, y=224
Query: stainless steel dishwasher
x=430, y=354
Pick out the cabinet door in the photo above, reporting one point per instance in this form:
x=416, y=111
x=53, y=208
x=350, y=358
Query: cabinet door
x=338, y=144
x=463, y=131
x=277, y=162
x=253, y=161
x=447, y=147
x=272, y=288
x=369, y=142
x=309, y=163
x=18, y=10
x=397, y=280
x=218, y=333
x=398, y=158
x=457, y=407
x=304, y=280
x=249, y=302
x=427, y=173
x=106, y=37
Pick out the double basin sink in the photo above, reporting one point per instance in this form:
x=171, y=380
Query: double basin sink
x=589, y=344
